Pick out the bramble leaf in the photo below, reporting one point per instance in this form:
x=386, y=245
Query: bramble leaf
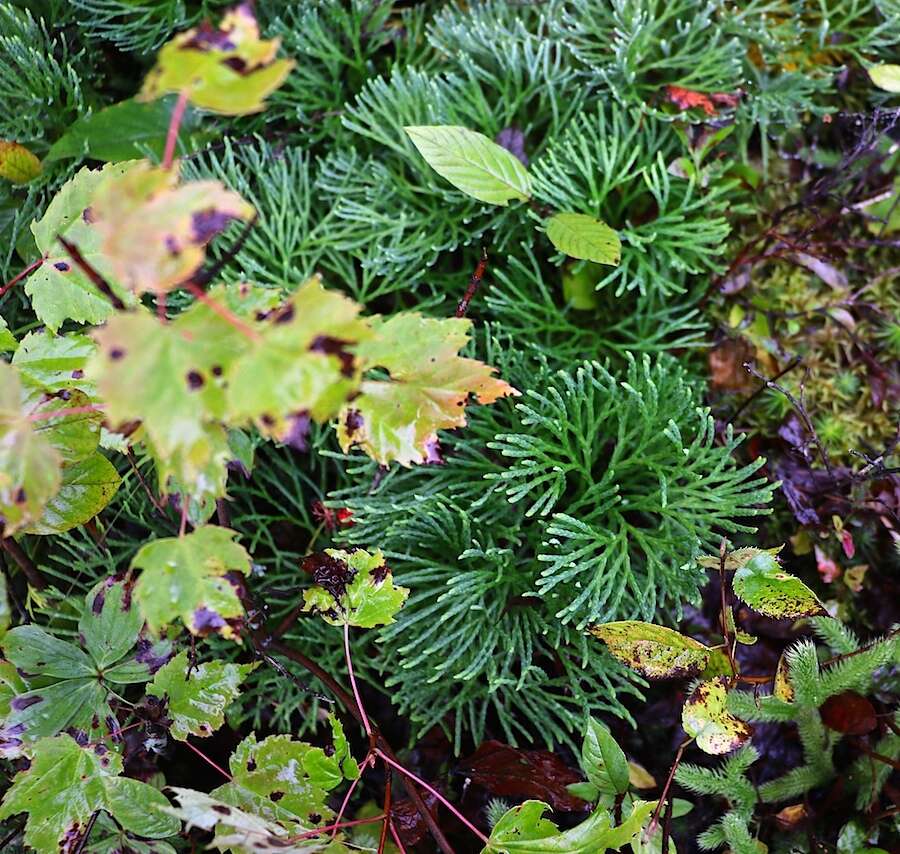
x=196, y=704
x=17, y=164
x=238, y=831
x=427, y=390
x=886, y=76
x=765, y=587
x=602, y=760
x=472, y=163
x=524, y=830
x=705, y=717
x=30, y=467
x=301, y=366
x=65, y=783
x=227, y=70
x=353, y=588
x=54, y=363
x=59, y=288
x=581, y=236
x=154, y=230
x=283, y=780
x=184, y=577
x=653, y=651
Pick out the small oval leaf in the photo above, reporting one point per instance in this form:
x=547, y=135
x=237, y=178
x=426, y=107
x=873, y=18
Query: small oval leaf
x=886, y=77
x=472, y=163
x=706, y=718
x=653, y=651
x=783, y=689
x=601, y=753
x=763, y=585
x=582, y=236
x=17, y=163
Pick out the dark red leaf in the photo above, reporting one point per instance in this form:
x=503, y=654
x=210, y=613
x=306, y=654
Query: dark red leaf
x=408, y=820
x=849, y=713
x=509, y=772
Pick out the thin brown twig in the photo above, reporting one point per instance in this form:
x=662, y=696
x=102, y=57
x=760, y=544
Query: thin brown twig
x=96, y=279
x=654, y=822
x=34, y=576
x=21, y=275
x=87, y=832
x=386, y=809
x=797, y=361
x=474, y=284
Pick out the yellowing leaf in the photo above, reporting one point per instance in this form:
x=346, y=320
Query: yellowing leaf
x=886, y=76
x=763, y=585
x=582, y=236
x=736, y=559
x=226, y=69
x=353, y=588
x=302, y=365
x=154, y=229
x=472, y=163
x=705, y=717
x=782, y=688
x=17, y=163
x=59, y=288
x=30, y=472
x=183, y=577
x=65, y=783
x=196, y=703
x=427, y=390
x=653, y=651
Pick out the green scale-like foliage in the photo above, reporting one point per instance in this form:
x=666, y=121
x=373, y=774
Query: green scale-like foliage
x=587, y=501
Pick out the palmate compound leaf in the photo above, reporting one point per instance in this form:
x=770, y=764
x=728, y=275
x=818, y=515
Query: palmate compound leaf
x=243, y=832
x=66, y=782
x=196, y=703
x=185, y=578
x=353, y=588
x=655, y=652
x=427, y=390
x=30, y=467
x=301, y=366
x=154, y=229
x=66, y=685
x=524, y=830
x=581, y=236
x=705, y=716
x=472, y=163
x=17, y=163
x=59, y=289
x=765, y=587
x=283, y=780
x=226, y=69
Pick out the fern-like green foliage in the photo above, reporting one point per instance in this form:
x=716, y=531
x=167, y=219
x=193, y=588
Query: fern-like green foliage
x=587, y=501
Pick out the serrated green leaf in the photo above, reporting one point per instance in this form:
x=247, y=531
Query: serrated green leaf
x=8, y=341
x=227, y=70
x=602, y=760
x=472, y=163
x=87, y=487
x=65, y=783
x=239, y=831
x=359, y=592
x=886, y=76
x=154, y=229
x=524, y=830
x=17, y=164
x=59, y=288
x=705, y=716
x=183, y=577
x=653, y=651
x=54, y=363
x=124, y=131
x=196, y=704
x=429, y=386
x=583, y=237
x=30, y=467
x=301, y=365
x=765, y=587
